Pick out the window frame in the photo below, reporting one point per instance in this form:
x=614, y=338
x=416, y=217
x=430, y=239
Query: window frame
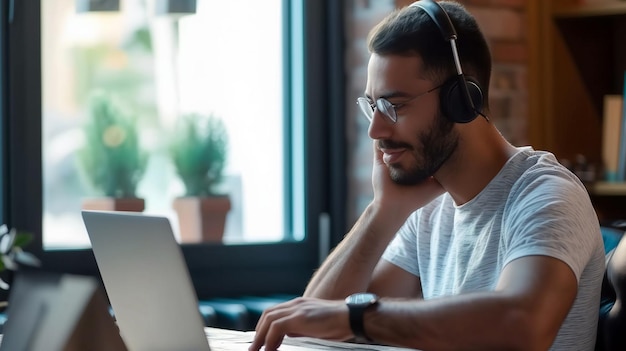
x=216, y=270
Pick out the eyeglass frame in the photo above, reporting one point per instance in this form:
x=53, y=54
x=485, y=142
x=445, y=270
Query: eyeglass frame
x=368, y=107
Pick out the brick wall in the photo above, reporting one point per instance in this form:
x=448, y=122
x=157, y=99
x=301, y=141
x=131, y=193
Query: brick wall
x=504, y=24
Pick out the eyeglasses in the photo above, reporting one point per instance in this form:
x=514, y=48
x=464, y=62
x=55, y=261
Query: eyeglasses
x=383, y=105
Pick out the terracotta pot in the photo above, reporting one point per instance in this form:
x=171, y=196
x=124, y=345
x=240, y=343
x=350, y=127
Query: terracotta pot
x=202, y=219
x=114, y=204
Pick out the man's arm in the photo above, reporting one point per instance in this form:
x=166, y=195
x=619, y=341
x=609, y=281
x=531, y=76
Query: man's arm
x=532, y=299
x=355, y=264
x=525, y=312
x=390, y=280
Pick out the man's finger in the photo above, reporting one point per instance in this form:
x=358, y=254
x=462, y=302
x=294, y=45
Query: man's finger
x=267, y=320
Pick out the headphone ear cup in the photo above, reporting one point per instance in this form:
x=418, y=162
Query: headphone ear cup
x=453, y=103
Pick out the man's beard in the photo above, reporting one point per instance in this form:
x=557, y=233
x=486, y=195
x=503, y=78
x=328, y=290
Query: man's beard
x=437, y=145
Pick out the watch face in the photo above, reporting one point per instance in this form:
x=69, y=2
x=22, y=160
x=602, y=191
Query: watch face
x=361, y=299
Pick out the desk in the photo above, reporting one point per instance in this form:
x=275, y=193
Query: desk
x=228, y=340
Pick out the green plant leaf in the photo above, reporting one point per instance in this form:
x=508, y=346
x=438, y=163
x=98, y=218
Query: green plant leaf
x=26, y=258
x=4, y=285
x=22, y=239
x=199, y=152
x=9, y=263
x=112, y=160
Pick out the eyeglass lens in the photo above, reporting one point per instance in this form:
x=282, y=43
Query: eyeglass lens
x=383, y=106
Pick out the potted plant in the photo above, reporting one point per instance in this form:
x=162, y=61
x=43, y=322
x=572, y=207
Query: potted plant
x=198, y=151
x=111, y=160
x=12, y=254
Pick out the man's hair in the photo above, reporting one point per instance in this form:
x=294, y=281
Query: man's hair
x=410, y=31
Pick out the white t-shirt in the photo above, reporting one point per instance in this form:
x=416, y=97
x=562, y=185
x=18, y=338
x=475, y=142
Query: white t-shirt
x=534, y=206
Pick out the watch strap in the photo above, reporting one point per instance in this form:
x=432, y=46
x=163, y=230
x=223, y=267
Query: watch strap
x=357, y=324
x=357, y=305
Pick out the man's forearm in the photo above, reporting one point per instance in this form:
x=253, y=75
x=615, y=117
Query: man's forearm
x=349, y=267
x=484, y=321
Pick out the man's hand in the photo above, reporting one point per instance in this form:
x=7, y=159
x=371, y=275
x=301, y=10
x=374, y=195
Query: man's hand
x=302, y=317
x=400, y=199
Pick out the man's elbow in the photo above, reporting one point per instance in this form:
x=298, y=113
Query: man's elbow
x=529, y=331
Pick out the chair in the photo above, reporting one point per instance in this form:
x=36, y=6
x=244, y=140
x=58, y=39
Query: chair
x=612, y=324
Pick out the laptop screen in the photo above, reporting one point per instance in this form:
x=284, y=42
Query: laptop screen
x=147, y=281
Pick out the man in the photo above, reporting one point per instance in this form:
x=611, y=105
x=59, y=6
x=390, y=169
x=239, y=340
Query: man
x=469, y=242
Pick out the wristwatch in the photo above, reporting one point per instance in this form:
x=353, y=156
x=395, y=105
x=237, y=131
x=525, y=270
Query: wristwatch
x=357, y=304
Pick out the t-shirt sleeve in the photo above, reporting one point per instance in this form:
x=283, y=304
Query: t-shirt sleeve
x=552, y=217
x=402, y=251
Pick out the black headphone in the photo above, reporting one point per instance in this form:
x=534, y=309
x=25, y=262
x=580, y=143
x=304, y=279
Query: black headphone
x=461, y=99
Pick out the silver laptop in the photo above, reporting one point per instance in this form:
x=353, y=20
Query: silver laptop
x=150, y=290
x=147, y=281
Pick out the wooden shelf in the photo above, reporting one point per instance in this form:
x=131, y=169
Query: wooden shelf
x=607, y=189
x=577, y=57
x=593, y=34
x=602, y=9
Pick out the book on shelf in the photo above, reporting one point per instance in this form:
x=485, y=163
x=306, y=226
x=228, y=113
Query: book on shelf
x=611, y=129
x=608, y=188
x=621, y=166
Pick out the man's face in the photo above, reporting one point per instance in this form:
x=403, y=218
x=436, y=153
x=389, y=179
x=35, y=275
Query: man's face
x=422, y=139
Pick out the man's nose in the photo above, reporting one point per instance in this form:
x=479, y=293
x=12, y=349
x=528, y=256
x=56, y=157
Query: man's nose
x=380, y=126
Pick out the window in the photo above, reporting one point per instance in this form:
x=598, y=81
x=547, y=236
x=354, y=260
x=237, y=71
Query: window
x=299, y=109
x=158, y=68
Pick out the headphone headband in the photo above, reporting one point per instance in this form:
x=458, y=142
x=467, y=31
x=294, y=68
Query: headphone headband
x=438, y=15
